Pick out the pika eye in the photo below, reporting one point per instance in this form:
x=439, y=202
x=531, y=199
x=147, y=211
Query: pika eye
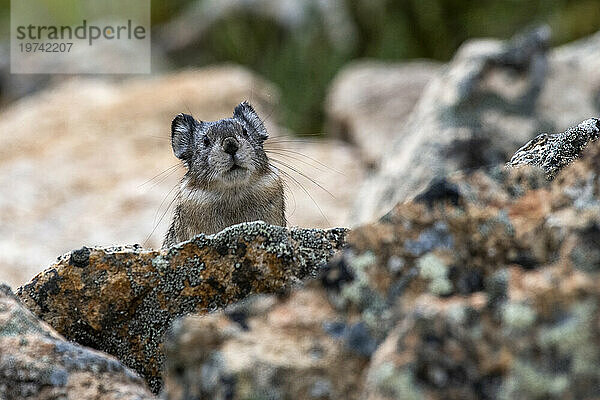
x=206, y=141
x=244, y=131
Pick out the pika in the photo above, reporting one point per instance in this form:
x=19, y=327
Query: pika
x=229, y=178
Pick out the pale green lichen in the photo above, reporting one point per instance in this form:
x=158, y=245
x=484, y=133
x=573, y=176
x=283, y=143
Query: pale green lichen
x=359, y=292
x=518, y=316
x=457, y=314
x=573, y=337
x=354, y=292
x=528, y=382
x=161, y=264
x=432, y=268
x=394, y=383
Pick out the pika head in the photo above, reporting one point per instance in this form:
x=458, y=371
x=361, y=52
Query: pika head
x=225, y=153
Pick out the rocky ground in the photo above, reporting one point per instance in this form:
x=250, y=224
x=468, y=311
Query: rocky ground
x=472, y=279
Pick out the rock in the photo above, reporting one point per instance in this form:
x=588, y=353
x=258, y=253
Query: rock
x=490, y=99
x=121, y=300
x=563, y=99
x=487, y=286
x=37, y=363
x=500, y=298
x=281, y=351
x=554, y=152
x=89, y=162
x=369, y=102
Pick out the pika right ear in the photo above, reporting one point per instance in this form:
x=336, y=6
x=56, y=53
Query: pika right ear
x=182, y=135
x=245, y=112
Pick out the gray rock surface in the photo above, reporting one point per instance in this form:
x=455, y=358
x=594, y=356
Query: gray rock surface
x=265, y=347
x=489, y=100
x=189, y=28
x=37, y=363
x=369, y=102
x=554, y=152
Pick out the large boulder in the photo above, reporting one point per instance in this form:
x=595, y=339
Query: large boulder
x=492, y=282
x=37, y=363
x=491, y=98
x=122, y=300
x=265, y=347
x=369, y=102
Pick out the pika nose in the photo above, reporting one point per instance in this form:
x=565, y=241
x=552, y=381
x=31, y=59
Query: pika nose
x=230, y=146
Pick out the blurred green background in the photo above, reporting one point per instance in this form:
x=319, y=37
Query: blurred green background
x=303, y=59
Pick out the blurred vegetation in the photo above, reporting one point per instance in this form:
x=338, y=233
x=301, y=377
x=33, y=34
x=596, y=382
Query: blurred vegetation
x=302, y=61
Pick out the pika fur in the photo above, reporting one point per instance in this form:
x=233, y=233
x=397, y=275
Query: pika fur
x=229, y=178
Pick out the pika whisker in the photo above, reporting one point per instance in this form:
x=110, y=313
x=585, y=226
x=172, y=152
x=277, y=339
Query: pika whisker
x=293, y=179
x=282, y=152
x=314, y=182
x=169, y=171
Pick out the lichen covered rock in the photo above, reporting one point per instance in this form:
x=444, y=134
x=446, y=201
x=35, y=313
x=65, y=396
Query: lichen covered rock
x=553, y=152
x=290, y=347
x=37, y=363
x=490, y=99
x=121, y=300
x=491, y=295
x=486, y=286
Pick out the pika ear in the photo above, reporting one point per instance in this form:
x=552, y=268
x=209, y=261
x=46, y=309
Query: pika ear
x=182, y=135
x=245, y=113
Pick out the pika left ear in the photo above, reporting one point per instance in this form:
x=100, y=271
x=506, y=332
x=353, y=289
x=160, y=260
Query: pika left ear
x=182, y=135
x=245, y=113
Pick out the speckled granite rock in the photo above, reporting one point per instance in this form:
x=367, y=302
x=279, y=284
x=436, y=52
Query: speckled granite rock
x=491, y=287
x=121, y=300
x=37, y=363
x=265, y=348
x=486, y=286
x=554, y=152
x=493, y=97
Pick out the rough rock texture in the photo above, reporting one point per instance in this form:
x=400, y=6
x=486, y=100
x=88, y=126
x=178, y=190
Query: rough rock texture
x=369, y=102
x=484, y=285
x=38, y=363
x=264, y=348
x=490, y=99
x=492, y=290
x=121, y=300
x=90, y=163
x=487, y=286
x=554, y=152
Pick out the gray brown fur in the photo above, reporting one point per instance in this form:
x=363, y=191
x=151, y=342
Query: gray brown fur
x=229, y=179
